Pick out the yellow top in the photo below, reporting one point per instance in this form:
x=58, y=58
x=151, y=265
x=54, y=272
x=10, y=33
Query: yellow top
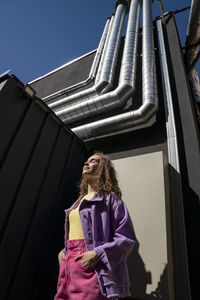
x=75, y=230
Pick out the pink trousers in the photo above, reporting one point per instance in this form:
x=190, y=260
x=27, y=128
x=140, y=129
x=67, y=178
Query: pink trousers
x=74, y=281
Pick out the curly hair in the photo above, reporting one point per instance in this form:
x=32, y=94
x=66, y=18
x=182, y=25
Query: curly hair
x=107, y=180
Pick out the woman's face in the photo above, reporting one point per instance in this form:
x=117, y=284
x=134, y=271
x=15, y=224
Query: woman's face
x=91, y=165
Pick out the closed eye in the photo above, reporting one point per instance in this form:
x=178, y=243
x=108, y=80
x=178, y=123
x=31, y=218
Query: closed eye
x=95, y=160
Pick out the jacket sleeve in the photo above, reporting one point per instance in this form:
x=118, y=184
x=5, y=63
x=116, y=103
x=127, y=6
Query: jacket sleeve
x=113, y=252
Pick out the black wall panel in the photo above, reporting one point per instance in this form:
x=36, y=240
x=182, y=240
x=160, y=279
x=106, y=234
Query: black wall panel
x=40, y=161
x=55, y=237
x=11, y=114
x=189, y=148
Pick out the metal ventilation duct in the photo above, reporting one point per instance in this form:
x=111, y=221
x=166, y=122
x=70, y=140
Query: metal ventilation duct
x=126, y=87
x=192, y=47
x=93, y=70
x=193, y=33
x=104, y=50
x=106, y=77
x=150, y=98
x=101, y=48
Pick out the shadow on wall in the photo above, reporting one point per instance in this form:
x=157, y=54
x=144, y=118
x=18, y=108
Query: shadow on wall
x=139, y=279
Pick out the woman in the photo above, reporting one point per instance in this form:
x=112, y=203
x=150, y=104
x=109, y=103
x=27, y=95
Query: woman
x=99, y=236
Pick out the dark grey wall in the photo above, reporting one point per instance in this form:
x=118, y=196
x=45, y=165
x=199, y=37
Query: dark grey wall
x=40, y=163
x=64, y=77
x=188, y=147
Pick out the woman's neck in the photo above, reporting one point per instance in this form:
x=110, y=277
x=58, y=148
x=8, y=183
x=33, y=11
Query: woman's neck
x=90, y=189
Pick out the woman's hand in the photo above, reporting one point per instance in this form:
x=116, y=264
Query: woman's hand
x=87, y=259
x=61, y=256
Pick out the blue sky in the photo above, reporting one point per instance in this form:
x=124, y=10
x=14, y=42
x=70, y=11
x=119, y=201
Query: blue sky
x=38, y=36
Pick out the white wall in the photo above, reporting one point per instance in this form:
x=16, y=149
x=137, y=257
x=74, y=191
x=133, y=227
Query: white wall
x=141, y=179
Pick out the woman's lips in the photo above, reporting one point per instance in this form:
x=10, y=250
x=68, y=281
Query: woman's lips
x=85, y=168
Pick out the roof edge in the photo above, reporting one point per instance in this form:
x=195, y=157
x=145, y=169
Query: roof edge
x=63, y=66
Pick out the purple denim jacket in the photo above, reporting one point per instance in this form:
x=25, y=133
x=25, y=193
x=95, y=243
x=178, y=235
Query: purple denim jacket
x=107, y=229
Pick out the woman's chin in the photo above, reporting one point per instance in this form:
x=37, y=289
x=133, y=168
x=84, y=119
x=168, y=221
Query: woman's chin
x=86, y=175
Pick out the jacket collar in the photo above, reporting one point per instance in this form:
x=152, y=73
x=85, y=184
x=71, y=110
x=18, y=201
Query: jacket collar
x=75, y=204
x=96, y=197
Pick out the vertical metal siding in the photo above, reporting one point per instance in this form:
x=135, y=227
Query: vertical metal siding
x=41, y=162
x=43, y=290
x=11, y=114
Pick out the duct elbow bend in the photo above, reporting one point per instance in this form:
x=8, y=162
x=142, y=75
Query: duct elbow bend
x=102, y=86
x=148, y=109
x=124, y=92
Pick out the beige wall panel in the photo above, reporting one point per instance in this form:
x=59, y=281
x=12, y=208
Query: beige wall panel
x=141, y=179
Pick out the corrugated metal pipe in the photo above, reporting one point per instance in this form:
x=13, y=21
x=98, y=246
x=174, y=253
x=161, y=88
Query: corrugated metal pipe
x=101, y=47
x=150, y=98
x=192, y=47
x=105, y=50
x=126, y=86
x=193, y=33
x=93, y=70
x=107, y=71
